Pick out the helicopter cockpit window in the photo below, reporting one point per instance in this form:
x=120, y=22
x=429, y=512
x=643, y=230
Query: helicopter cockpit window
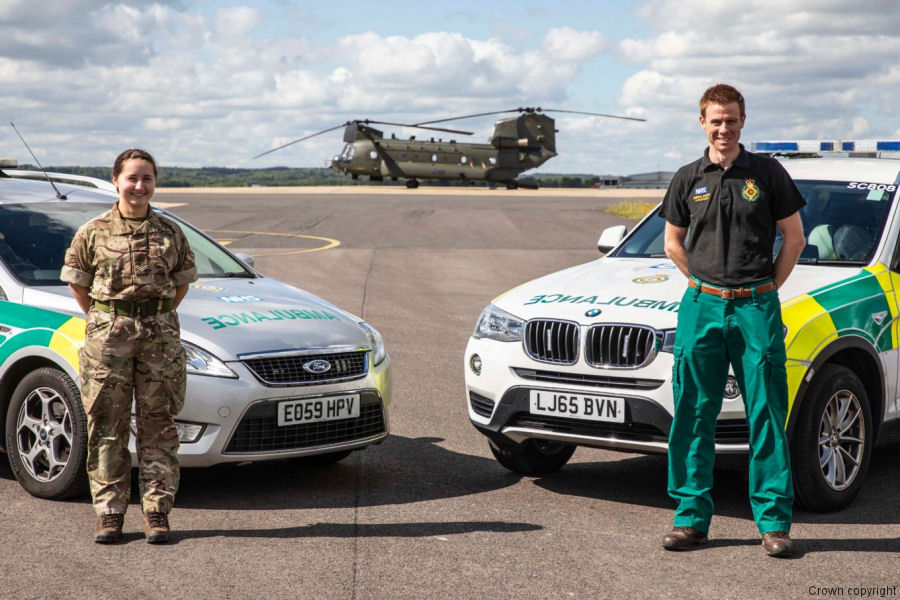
x=348, y=152
x=373, y=154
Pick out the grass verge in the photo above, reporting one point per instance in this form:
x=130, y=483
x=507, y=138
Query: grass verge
x=632, y=210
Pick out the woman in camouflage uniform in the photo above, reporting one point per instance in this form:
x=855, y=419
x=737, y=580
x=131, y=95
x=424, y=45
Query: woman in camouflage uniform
x=129, y=269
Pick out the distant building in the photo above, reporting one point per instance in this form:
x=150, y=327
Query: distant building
x=652, y=180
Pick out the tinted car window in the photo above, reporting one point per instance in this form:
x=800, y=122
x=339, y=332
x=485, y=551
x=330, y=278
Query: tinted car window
x=34, y=238
x=842, y=222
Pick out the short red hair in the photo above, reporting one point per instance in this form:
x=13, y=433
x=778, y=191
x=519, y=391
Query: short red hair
x=721, y=94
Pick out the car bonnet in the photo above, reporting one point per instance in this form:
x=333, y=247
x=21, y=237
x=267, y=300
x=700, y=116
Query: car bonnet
x=629, y=290
x=236, y=317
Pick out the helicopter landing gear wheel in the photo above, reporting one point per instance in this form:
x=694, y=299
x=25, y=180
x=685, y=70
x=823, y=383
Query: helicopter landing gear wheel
x=412, y=184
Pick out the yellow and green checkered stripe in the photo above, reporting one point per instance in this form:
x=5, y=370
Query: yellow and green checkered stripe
x=26, y=326
x=847, y=307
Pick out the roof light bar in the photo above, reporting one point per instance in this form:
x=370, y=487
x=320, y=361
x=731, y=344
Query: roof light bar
x=871, y=146
x=796, y=146
x=816, y=146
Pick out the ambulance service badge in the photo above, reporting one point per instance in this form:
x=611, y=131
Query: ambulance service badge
x=750, y=192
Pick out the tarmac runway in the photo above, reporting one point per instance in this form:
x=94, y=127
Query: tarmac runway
x=429, y=513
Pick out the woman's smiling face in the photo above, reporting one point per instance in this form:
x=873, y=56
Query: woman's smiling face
x=136, y=184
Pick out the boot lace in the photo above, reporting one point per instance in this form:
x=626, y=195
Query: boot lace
x=157, y=520
x=112, y=520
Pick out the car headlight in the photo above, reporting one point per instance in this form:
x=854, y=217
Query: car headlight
x=200, y=362
x=496, y=324
x=667, y=340
x=378, y=351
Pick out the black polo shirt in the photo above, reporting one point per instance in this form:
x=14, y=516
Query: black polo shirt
x=731, y=214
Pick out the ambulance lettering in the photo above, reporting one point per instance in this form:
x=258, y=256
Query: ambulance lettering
x=671, y=306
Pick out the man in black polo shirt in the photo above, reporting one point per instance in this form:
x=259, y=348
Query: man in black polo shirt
x=730, y=201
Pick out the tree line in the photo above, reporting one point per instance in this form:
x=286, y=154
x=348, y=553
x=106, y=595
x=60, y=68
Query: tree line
x=289, y=176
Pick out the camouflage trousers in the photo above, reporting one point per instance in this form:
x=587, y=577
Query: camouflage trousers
x=136, y=361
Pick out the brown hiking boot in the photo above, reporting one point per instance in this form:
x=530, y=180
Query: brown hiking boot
x=109, y=528
x=156, y=527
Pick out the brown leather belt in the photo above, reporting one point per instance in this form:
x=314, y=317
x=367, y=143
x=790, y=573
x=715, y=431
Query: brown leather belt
x=732, y=293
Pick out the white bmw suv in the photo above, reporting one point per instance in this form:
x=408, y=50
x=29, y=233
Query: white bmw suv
x=583, y=356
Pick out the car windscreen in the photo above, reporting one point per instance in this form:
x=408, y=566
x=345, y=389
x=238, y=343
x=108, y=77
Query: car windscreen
x=842, y=222
x=34, y=238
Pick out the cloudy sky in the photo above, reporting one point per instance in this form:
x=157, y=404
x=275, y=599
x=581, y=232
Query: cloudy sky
x=214, y=82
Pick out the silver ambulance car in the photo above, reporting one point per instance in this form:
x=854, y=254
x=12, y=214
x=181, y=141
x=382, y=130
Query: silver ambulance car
x=273, y=372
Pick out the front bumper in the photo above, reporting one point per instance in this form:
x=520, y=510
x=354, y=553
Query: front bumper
x=239, y=418
x=498, y=402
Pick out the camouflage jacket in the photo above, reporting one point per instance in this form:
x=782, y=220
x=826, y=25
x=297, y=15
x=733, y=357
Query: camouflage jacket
x=117, y=262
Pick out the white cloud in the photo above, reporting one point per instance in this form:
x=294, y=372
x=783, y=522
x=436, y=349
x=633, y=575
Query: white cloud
x=569, y=45
x=216, y=82
x=809, y=68
x=234, y=22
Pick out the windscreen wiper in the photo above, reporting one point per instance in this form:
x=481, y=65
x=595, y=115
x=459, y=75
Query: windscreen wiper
x=236, y=274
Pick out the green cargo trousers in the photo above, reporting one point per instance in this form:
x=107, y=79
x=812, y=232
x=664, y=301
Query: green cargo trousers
x=747, y=334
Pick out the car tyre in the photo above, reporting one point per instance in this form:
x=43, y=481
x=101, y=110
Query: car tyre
x=46, y=435
x=533, y=457
x=832, y=444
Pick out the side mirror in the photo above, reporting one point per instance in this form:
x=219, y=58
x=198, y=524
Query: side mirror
x=245, y=258
x=610, y=238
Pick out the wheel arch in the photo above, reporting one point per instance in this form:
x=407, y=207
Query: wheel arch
x=859, y=356
x=29, y=359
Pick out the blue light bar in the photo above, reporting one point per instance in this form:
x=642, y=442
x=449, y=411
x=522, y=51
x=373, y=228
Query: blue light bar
x=821, y=146
x=776, y=147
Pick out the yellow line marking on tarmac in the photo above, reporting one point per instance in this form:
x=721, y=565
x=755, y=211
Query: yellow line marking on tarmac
x=329, y=242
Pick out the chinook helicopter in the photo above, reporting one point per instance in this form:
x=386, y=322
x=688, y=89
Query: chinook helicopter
x=517, y=144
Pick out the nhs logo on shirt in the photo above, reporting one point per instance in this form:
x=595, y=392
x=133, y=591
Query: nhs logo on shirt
x=701, y=194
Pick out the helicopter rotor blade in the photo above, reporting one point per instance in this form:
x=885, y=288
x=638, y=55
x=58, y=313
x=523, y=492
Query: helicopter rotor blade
x=418, y=126
x=592, y=114
x=303, y=138
x=472, y=116
x=530, y=109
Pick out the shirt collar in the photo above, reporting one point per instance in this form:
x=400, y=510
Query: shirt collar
x=119, y=225
x=742, y=160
